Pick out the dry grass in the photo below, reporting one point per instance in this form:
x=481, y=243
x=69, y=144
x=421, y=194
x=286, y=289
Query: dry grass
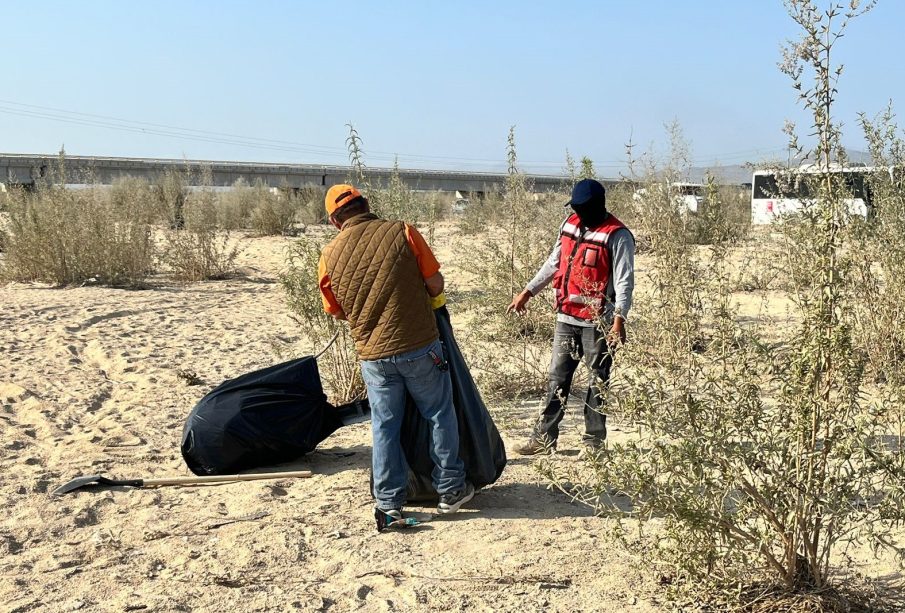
x=267, y=211
x=196, y=250
x=66, y=237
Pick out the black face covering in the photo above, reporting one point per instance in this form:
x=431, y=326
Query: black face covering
x=591, y=213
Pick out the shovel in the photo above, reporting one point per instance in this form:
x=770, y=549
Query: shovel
x=95, y=480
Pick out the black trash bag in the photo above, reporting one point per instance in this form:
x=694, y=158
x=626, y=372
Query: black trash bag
x=263, y=418
x=480, y=445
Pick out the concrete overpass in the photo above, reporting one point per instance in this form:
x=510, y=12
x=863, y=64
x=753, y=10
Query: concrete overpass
x=28, y=169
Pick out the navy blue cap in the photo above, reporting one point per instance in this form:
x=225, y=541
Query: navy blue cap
x=587, y=190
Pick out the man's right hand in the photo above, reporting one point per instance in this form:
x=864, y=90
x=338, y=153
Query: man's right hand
x=519, y=302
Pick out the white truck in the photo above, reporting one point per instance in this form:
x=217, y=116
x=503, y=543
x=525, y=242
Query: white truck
x=687, y=196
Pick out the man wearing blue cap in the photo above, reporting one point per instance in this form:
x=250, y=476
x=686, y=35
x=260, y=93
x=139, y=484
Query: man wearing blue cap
x=592, y=270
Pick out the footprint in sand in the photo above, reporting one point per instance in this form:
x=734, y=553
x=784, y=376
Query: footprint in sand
x=11, y=392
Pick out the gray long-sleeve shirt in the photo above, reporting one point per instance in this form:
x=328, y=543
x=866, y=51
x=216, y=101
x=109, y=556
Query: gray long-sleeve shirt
x=619, y=287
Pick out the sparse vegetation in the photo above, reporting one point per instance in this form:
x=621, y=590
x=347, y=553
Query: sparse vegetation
x=267, y=211
x=171, y=191
x=879, y=256
x=339, y=364
x=510, y=355
x=753, y=451
x=62, y=236
x=235, y=206
x=195, y=249
x=117, y=235
x=759, y=460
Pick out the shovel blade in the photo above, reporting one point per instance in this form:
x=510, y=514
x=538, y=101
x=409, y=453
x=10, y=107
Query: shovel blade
x=80, y=482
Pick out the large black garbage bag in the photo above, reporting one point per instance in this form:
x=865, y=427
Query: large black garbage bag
x=263, y=418
x=480, y=445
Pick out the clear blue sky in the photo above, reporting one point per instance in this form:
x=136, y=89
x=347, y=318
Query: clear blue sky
x=438, y=83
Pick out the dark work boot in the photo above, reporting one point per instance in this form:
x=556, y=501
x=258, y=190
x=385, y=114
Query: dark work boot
x=537, y=445
x=593, y=449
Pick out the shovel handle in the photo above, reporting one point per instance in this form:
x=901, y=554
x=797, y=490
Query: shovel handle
x=223, y=478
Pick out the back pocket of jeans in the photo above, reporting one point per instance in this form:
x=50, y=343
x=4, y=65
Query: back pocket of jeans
x=422, y=365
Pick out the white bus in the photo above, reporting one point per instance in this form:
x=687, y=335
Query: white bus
x=776, y=193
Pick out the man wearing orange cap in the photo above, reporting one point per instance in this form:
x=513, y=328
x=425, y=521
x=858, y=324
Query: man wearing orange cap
x=381, y=276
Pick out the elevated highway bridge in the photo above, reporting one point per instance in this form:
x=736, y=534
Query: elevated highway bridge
x=27, y=170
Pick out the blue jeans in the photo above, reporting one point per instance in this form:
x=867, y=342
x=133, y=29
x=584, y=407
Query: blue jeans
x=388, y=380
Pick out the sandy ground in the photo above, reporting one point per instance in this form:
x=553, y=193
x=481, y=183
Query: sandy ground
x=89, y=384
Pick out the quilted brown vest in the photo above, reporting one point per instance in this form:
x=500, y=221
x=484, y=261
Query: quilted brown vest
x=376, y=280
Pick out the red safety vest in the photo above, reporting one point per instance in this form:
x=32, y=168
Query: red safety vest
x=584, y=267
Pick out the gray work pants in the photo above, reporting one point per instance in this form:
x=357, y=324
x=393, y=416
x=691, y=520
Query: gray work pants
x=570, y=344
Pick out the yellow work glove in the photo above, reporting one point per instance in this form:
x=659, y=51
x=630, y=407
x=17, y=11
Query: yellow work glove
x=438, y=301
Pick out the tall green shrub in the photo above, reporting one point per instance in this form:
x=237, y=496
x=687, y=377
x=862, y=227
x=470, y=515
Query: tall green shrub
x=516, y=240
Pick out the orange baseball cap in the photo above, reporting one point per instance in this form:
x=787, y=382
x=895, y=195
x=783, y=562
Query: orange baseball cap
x=339, y=196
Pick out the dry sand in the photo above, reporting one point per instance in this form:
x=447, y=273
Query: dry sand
x=89, y=384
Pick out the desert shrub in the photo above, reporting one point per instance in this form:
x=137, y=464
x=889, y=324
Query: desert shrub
x=735, y=202
x=650, y=188
x=431, y=209
x=480, y=214
x=268, y=211
x=339, y=364
x=619, y=202
x=758, y=461
x=195, y=249
x=4, y=217
x=274, y=214
x=583, y=169
x=64, y=236
x=235, y=205
x=395, y=200
x=516, y=241
x=880, y=254
x=654, y=207
x=134, y=192
x=309, y=204
x=720, y=217
x=587, y=170
x=171, y=191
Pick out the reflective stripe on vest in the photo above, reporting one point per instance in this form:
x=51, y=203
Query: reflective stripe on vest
x=574, y=231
